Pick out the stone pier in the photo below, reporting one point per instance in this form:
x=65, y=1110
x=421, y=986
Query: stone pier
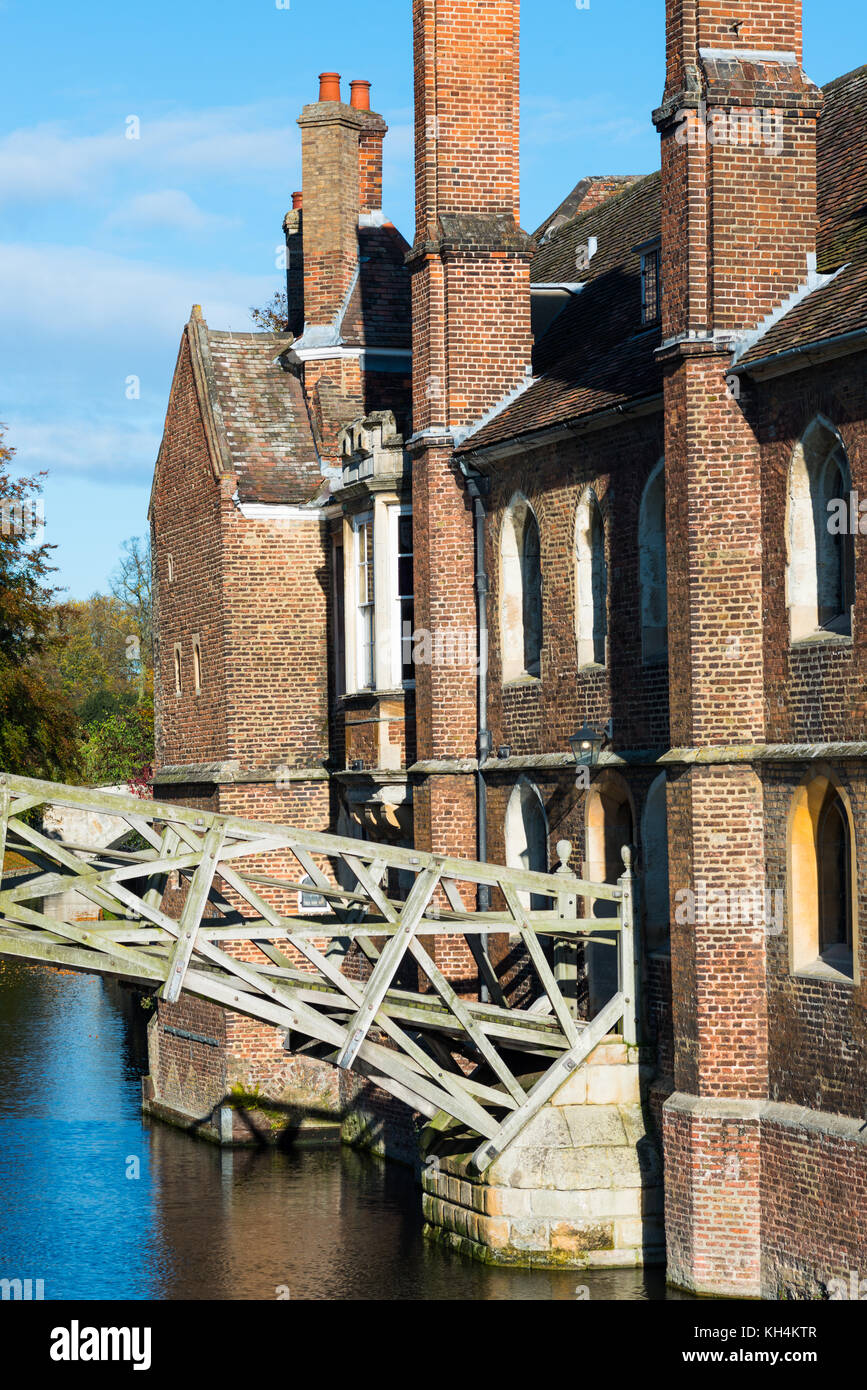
x=580, y=1186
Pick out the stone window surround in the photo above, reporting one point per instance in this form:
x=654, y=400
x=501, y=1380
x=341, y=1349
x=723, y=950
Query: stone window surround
x=512, y=585
x=590, y=560
x=383, y=507
x=803, y=869
x=820, y=446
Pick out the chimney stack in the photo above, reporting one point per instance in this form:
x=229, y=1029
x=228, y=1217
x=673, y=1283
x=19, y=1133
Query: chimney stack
x=467, y=209
x=369, y=149
x=471, y=348
x=329, y=155
x=739, y=161
x=360, y=94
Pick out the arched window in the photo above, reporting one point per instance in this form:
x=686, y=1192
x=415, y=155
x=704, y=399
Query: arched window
x=820, y=572
x=821, y=878
x=521, y=591
x=654, y=865
x=527, y=838
x=591, y=582
x=652, y=576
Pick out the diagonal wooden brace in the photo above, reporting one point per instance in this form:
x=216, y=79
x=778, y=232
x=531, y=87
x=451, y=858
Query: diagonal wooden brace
x=550, y=1083
x=388, y=963
x=191, y=915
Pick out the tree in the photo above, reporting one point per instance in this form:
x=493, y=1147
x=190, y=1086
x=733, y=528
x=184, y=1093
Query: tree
x=37, y=723
x=274, y=317
x=93, y=658
x=132, y=587
x=121, y=749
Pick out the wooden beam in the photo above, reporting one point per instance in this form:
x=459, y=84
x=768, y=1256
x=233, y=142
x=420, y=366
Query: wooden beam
x=191, y=914
x=388, y=963
x=543, y=969
x=549, y=1084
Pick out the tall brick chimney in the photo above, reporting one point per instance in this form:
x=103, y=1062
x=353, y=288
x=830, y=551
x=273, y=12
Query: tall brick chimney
x=370, y=139
x=329, y=157
x=471, y=347
x=738, y=127
x=738, y=131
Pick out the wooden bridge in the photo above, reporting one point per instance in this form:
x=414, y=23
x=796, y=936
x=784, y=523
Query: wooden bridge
x=225, y=941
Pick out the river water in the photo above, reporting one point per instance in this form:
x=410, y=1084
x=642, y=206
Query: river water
x=100, y=1203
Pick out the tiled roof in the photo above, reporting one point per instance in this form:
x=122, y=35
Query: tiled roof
x=586, y=194
x=378, y=314
x=265, y=419
x=840, y=306
x=596, y=354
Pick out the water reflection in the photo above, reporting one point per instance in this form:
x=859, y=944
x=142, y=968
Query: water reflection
x=198, y=1222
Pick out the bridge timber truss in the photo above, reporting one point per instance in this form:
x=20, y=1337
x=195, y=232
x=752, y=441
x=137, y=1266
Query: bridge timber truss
x=223, y=940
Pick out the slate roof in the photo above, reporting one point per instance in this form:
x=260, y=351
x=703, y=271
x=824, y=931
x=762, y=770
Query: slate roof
x=596, y=355
x=264, y=418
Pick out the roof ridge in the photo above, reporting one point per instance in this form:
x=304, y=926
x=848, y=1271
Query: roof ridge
x=845, y=77
x=639, y=180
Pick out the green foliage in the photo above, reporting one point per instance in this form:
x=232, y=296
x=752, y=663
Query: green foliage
x=274, y=317
x=76, y=678
x=92, y=660
x=37, y=727
x=120, y=748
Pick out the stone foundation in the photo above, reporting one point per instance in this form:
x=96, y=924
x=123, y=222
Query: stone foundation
x=580, y=1186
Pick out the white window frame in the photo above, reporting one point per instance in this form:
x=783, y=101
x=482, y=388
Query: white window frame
x=358, y=524
x=395, y=511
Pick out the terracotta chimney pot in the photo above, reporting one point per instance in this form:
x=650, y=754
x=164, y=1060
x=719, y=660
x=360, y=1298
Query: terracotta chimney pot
x=297, y=200
x=360, y=94
x=329, y=86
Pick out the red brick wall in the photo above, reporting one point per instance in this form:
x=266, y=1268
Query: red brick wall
x=712, y=1202
x=466, y=75
x=277, y=585
x=814, y=1212
x=813, y=693
x=187, y=517
x=539, y=716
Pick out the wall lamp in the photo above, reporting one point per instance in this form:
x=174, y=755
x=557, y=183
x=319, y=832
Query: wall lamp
x=587, y=744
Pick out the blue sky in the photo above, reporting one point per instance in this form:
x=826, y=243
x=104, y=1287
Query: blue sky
x=105, y=242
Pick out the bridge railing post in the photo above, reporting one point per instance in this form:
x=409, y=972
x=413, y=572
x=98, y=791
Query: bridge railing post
x=629, y=977
x=566, y=950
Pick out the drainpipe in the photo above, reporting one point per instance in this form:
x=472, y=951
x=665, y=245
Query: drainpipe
x=477, y=487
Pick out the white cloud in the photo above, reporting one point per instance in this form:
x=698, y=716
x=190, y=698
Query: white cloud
x=548, y=122
x=117, y=449
x=95, y=293
x=48, y=161
x=77, y=324
x=168, y=208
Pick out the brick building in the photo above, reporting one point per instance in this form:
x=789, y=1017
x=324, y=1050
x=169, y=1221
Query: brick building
x=621, y=457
